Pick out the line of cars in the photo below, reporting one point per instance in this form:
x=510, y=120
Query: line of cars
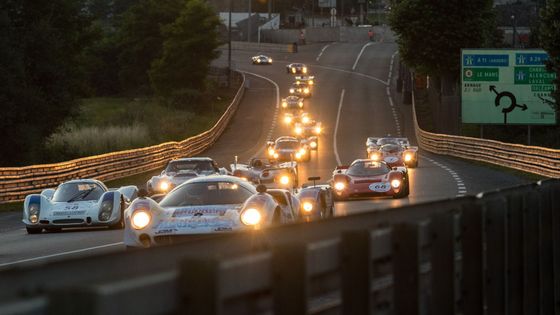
x=194, y=196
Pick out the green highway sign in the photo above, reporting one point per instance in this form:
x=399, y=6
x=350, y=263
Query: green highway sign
x=506, y=87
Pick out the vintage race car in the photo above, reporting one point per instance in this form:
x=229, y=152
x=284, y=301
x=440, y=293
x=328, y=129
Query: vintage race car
x=292, y=102
x=301, y=89
x=296, y=68
x=201, y=206
x=269, y=173
x=180, y=170
x=309, y=131
x=308, y=79
x=317, y=201
x=394, y=151
x=258, y=211
x=287, y=149
x=369, y=178
x=76, y=203
x=292, y=117
x=261, y=60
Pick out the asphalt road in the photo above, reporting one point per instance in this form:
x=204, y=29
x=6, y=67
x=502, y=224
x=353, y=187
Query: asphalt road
x=354, y=98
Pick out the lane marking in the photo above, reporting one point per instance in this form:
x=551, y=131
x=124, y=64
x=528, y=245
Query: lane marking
x=360, y=55
x=461, y=187
x=60, y=254
x=388, y=90
x=322, y=51
x=336, y=127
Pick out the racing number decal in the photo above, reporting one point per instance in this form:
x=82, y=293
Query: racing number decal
x=380, y=187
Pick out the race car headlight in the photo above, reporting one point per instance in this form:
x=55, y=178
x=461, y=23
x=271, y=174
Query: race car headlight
x=313, y=144
x=298, y=155
x=302, y=151
x=284, y=180
x=396, y=183
x=164, y=186
x=339, y=186
x=292, y=90
x=288, y=120
x=317, y=130
x=269, y=59
x=310, y=82
x=293, y=70
x=251, y=216
x=304, y=70
x=276, y=155
x=298, y=130
x=307, y=206
x=305, y=120
x=105, y=211
x=408, y=157
x=375, y=157
x=306, y=90
x=140, y=219
x=33, y=210
x=271, y=152
x=33, y=218
x=300, y=104
x=285, y=104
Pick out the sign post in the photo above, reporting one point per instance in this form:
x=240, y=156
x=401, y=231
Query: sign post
x=506, y=87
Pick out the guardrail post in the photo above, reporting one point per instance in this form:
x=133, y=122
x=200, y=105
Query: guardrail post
x=199, y=288
x=290, y=289
x=356, y=270
x=471, y=237
x=547, y=250
x=531, y=215
x=443, y=263
x=495, y=254
x=514, y=298
x=406, y=266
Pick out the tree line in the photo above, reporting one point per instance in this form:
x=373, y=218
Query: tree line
x=54, y=53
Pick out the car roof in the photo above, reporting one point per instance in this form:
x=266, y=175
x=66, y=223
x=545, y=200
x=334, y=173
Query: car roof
x=86, y=180
x=221, y=178
x=192, y=159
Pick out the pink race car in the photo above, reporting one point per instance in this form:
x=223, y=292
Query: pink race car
x=369, y=178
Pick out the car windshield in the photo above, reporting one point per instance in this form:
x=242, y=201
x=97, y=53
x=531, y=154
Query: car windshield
x=387, y=141
x=390, y=148
x=197, y=166
x=287, y=145
x=367, y=168
x=206, y=193
x=78, y=191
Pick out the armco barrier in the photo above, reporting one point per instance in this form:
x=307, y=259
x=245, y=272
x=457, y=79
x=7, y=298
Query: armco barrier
x=496, y=253
x=261, y=47
x=537, y=160
x=17, y=182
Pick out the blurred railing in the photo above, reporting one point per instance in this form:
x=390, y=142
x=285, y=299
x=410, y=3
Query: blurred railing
x=496, y=253
x=17, y=182
x=537, y=160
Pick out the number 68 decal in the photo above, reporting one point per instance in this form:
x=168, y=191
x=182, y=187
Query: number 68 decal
x=380, y=187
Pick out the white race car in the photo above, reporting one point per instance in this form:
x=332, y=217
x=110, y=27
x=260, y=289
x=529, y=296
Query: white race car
x=395, y=151
x=76, y=203
x=198, y=207
x=261, y=60
x=180, y=170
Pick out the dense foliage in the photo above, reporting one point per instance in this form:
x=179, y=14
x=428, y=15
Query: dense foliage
x=549, y=34
x=54, y=53
x=432, y=33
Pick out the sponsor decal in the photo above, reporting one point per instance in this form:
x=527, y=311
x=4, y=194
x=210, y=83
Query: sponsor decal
x=197, y=223
x=185, y=212
x=380, y=187
x=68, y=213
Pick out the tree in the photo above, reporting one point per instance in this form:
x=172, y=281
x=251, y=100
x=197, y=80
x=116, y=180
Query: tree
x=40, y=52
x=179, y=75
x=141, y=40
x=432, y=33
x=550, y=40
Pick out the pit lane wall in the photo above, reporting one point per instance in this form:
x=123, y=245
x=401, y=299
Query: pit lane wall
x=537, y=160
x=494, y=253
x=18, y=182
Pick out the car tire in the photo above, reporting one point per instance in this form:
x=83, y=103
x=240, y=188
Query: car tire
x=120, y=224
x=31, y=230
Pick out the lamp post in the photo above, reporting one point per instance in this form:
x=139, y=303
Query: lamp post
x=514, y=31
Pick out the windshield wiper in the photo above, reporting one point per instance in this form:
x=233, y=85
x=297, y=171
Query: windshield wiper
x=81, y=194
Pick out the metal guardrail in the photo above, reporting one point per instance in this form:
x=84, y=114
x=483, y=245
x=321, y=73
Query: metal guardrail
x=17, y=182
x=261, y=47
x=532, y=159
x=496, y=253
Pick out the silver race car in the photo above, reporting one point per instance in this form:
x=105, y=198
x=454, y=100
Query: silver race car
x=261, y=60
x=76, y=203
x=180, y=170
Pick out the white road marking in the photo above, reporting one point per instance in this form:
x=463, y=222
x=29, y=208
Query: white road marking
x=336, y=127
x=360, y=55
x=322, y=51
x=60, y=254
x=275, y=116
x=388, y=90
x=461, y=188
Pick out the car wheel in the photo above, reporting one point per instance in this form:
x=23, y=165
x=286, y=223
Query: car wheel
x=31, y=230
x=120, y=224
